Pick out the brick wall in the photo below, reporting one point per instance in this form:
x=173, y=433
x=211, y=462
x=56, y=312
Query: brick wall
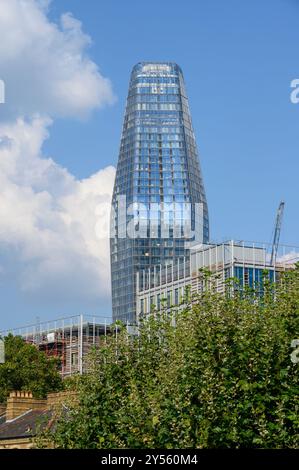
x=20, y=402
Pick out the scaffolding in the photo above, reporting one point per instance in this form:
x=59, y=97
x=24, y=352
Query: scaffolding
x=69, y=339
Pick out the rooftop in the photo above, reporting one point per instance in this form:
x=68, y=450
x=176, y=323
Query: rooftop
x=25, y=425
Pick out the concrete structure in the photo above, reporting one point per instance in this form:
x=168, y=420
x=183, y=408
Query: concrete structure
x=165, y=286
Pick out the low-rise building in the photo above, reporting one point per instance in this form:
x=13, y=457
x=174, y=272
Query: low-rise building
x=24, y=416
x=165, y=286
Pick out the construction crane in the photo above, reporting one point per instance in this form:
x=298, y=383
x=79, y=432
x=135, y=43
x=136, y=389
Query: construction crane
x=277, y=230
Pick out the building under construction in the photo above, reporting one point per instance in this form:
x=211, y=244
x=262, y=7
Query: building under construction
x=68, y=339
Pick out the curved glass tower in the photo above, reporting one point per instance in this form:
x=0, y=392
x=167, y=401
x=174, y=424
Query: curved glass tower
x=159, y=203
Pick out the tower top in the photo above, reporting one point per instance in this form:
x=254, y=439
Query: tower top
x=157, y=67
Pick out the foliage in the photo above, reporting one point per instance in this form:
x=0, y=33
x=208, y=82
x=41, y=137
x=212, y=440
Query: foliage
x=215, y=373
x=26, y=368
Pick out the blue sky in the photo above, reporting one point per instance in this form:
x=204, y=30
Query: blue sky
x=238, y=59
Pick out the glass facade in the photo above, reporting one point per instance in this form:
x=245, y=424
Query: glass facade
x=254, y=278
x=159, y=201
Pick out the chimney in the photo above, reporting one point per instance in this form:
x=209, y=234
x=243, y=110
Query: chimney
x=20, y=402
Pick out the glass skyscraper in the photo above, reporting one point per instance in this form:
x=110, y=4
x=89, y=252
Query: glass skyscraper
x=159, y=203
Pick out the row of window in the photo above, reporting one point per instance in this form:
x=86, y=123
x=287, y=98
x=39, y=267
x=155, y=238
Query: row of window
x=249, y=277
x=153, y=156
x=160, y=275
x=168, y=179
x=169, y=89
x=154, y=119
x=155, y=172
x=166, y=164
x=146, y=144
x=154, y=98
x=134, y=148
x=154, y=107
x=157, y=160
x=159, y=137
x=146, y=199
x=158, y=130
x=145, y=196
x=154, y=80
x=161, y=300
x=164, y=191
x=252, y=276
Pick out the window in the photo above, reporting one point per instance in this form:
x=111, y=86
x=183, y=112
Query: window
x=74, y=359
x=169, y=298
x=176, y=296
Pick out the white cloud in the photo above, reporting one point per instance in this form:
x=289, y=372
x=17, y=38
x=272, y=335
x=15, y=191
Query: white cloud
x=45, y=66
x=48, y=217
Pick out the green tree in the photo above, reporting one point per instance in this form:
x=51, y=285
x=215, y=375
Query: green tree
x=217, y=373
x=26, y=368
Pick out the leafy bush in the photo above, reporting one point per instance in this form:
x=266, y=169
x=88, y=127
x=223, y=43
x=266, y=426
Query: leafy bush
x=215, y=374
x=28, y=369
